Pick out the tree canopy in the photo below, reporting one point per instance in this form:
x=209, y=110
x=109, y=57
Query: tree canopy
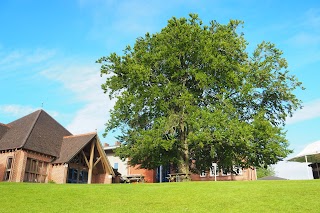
x=192, y=93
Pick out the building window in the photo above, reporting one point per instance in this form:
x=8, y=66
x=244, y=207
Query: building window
x=203, y=173
x=83, y=177
x=36, y=171
x=214, y=172
x=226, y=172
x=8, y=169
x=116, y=166
x=77, y=176
x=237, y=170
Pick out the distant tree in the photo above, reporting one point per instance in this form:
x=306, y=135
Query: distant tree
x=192, y=92
x=263, y=172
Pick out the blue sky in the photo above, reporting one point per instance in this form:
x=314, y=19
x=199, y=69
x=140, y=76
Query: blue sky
x=48, y=51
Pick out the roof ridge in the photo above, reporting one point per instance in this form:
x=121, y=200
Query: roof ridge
x=55, y=120
x=80, y=148
x=79, y=135
x=6, y=125
x=32, y=127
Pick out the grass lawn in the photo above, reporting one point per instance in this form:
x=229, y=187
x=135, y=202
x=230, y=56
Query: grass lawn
x=231, y=196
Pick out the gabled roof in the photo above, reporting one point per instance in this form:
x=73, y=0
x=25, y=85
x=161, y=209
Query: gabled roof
x=72, y=145
x=3, y=129
x=37, y=132
x=311, y=154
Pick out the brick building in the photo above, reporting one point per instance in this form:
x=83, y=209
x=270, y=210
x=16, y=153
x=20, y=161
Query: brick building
x=124, y=168
x=237, y=173
x=153, y=176
x=36, y=148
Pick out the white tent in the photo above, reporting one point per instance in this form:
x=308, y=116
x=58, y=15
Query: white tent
x=310, y=154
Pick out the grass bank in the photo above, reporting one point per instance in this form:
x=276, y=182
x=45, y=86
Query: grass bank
x=233, y=196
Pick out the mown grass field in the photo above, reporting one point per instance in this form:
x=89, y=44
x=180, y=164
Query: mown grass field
x=248, y=196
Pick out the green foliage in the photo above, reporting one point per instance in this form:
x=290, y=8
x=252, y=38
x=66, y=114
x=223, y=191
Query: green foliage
x=207, y=196
x=263, y=172
x=192, y=91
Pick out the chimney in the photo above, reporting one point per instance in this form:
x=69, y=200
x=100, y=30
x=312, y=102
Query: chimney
x=118, y=143
x=105, y=145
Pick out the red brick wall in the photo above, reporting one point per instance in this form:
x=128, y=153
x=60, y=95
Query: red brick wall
x=58, y=173
x=3, y=163
x=2, y=169
x=102, y=178
x=247, y=174
x=19, y=163
x=149, y=175
x=250, y=174
x=196, y=177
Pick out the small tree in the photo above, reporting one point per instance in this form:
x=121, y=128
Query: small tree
x=192, y=92
x=263, y=172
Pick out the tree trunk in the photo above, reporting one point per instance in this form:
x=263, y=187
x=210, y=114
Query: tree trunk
x=184, y=167
x=186, y=158
x=183, y=137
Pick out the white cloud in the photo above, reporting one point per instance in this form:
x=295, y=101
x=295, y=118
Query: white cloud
x=310, y=111
x=39, y=55
x=85, y=82
x=127, y=19
x=77, y=76
x=305, y=38
x=10, y=57
x=305, y=42
x=18, y=111
x=19, y=60
x=139, y=16
x=19, y=57
x=91, y=117
x=82, y=79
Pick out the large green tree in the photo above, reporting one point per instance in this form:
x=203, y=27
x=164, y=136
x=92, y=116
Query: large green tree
x=192, y=93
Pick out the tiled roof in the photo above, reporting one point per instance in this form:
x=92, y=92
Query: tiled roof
x=37, y=132
x=3, y=129
x=72, y=145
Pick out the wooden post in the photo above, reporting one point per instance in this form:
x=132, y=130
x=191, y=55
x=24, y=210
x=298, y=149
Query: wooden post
x=91, y=163
x=85, y=158
x=98, y=160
